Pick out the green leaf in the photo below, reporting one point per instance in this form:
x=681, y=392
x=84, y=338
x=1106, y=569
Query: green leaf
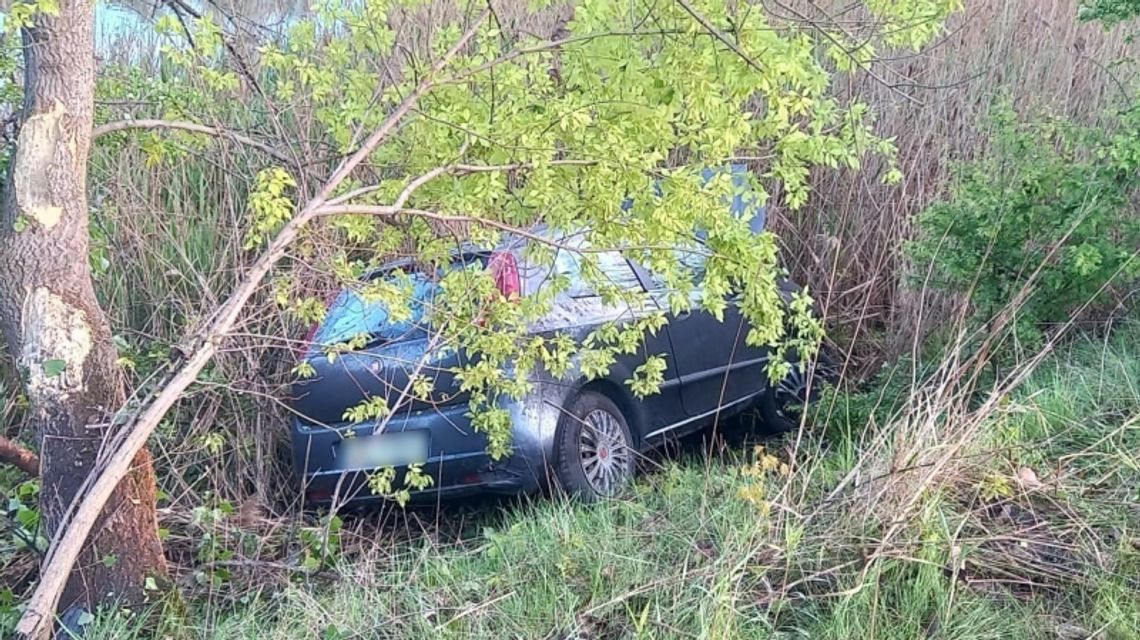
x=54, y=368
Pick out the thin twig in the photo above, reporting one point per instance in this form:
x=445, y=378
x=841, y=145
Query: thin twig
x=193, y=127
x=719, y=35
x=458, y=169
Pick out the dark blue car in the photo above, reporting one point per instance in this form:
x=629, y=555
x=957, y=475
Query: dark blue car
x=581, y=435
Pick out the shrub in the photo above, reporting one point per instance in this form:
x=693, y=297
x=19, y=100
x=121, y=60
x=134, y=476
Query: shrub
x=1048, y=210
x=1109, y=12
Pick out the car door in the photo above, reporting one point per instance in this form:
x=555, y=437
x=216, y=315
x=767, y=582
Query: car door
x=716, y=367
x=658, y=410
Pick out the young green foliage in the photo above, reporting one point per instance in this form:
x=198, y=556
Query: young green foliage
x=1049, y=209
x=1110, y=12
x=912, y=24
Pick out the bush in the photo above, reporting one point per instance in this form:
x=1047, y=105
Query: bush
x=1048, y=211
x=1109, y=12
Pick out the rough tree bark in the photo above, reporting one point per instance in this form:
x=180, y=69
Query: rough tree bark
x=51, y=319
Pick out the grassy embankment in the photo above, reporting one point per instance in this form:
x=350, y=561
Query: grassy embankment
x=1012, y=519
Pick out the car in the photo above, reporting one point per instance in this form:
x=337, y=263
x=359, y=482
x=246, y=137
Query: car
x=581, y=435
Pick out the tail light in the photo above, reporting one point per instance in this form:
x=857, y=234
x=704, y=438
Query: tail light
x=505, y=270
x=307, y=341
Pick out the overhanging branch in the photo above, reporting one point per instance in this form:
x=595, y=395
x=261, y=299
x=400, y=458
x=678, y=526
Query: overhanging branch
x=719, y=35
x=383, y=211
x=192, y=127
x=459, y=169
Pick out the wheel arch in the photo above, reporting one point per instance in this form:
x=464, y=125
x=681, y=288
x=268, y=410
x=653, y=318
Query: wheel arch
x=620, y=395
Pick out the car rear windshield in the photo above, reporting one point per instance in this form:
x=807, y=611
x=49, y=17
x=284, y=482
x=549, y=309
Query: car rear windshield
x=613, y=268
x=350, y=315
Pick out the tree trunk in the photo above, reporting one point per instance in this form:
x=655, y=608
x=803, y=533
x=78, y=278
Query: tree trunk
x=52, y=321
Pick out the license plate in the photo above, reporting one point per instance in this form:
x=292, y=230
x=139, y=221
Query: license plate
x=384, y=450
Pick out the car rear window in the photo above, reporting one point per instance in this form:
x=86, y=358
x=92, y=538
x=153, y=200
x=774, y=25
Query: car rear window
x=615, y=270
x=350, y=315
x=691, y=259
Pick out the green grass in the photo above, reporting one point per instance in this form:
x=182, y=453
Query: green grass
x=695, y=553
x=684, y=558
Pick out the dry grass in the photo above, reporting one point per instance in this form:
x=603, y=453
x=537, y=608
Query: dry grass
x=173, y=233
x=995, y=520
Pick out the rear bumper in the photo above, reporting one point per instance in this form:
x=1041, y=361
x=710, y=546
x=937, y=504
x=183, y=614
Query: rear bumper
x=458, y=463
x=351, y=487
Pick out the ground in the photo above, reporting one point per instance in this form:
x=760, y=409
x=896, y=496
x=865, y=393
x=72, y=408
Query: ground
x=1036, y=536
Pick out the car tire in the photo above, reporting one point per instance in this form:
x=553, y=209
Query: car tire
x=594, y=453
x=798, y=389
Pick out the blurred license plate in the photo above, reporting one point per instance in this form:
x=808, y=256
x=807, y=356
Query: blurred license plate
x=384, y=450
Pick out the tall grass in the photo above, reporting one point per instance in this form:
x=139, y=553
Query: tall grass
x=938, y=516
x=1023, y=531
x=172, y=232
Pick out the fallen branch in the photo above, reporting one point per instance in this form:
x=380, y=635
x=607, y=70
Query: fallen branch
x=71, y=533
x=18, y=456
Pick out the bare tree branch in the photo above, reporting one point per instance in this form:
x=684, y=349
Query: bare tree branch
x=72, y=532
x=711, y=28
x=193, y=127
x=18, y=456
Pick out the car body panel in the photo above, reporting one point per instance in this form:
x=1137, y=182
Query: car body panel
x=458, y=462
x=715, y=373
x=344, y=381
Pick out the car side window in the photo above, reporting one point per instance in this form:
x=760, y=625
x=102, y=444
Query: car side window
x=691, y=259
x=617, y=271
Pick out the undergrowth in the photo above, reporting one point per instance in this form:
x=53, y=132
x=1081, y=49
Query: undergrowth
x=903, y=511
x=1033, y=535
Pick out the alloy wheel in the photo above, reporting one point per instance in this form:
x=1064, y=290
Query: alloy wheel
x=605, y=455
x=802, y=386
x=793, y=388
